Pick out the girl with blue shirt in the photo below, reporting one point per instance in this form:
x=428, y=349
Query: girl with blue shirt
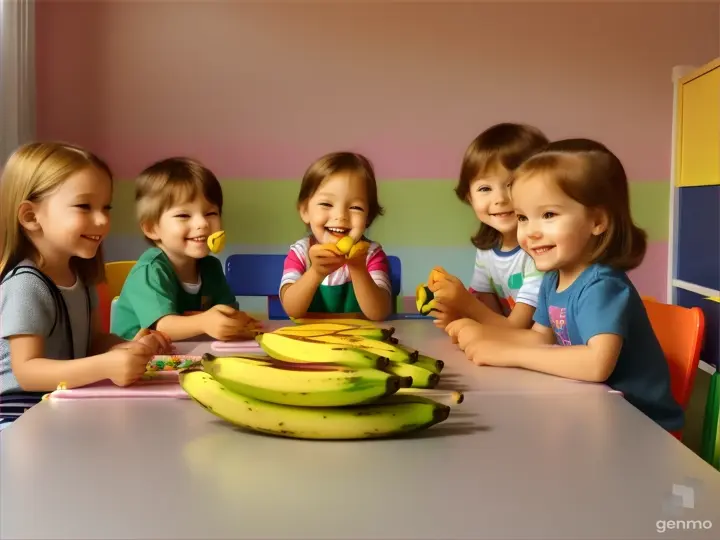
x=573, y=211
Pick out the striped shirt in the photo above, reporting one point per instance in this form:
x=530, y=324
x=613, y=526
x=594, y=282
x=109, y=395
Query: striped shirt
x=297, y=263
x=510, y=275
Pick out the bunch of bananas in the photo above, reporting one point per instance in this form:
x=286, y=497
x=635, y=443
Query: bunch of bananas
x=323, y=380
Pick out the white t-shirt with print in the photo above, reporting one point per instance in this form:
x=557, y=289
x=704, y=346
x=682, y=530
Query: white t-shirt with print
x=510, y=275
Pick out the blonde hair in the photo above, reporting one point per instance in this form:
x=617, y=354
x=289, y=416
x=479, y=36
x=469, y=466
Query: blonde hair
x=172, y=181
x=33, y=172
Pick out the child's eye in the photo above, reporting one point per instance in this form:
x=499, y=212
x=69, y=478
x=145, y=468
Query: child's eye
x=483, y=188
x=83, y=206
x=212, y=213
x=520, y=217
x=548, y=215
x=182, y=216
x=358, y=208
x=107, y=207
x=327, y=205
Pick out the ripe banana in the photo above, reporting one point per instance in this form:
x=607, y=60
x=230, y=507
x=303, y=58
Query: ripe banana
x=216, y=241
x=296, y=349
x=424, y=361
x=424, y=298
x=388, y=350
x=305, y=385
x=394, y=417
x=321, y=329
x=421, y=377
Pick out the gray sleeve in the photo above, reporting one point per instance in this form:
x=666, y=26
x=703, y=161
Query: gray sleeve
x=26, y=306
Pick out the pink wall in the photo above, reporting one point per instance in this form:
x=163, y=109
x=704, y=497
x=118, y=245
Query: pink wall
x=257, y=90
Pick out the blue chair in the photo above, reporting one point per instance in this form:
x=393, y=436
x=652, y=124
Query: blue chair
x=257, y=275
x=260, y=275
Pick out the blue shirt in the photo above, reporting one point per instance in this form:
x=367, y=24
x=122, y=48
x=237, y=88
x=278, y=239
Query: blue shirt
x=604, y=301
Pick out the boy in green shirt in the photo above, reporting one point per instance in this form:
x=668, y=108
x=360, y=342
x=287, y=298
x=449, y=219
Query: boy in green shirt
x=177, y=287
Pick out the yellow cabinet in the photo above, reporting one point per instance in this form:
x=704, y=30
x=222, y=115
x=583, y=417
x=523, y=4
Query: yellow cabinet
x=698, y=145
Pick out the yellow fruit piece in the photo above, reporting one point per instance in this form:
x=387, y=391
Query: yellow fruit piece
x=345, y=244
x=359, y=250
x=333, y=248
x=216, y=241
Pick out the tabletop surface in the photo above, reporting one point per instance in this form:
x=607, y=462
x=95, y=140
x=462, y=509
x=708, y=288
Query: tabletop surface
x=507, y=464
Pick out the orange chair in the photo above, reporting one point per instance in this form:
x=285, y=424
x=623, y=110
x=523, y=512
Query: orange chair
x=680, y=331
x=115, y=274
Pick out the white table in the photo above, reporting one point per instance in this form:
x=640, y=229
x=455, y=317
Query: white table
x=505, y=465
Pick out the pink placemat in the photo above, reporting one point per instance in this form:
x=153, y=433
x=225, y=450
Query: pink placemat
x=163, y=384
x=247, y=346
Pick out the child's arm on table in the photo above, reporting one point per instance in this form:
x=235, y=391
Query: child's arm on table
x=374, y=300
x=37, y=374
x=453, y=296
x=221, y=322
x=602, y=323
x=593, y=362
x=101, y=341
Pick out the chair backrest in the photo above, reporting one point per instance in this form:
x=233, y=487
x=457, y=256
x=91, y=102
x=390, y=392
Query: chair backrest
x=680, y=331
x=115, y=274
x=260, y=275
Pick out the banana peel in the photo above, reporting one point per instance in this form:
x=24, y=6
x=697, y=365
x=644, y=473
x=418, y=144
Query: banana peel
x=424, y=299
x=216, y=241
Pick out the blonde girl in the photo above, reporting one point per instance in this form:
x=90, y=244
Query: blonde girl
x=55, y=203
x=505, y=283
x=574, y=218
x=338, y=197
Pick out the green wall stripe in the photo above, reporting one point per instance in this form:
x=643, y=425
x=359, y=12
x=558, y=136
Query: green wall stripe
x=417, y=212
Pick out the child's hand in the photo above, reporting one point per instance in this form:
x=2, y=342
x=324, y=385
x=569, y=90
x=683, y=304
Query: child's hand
x=357, y=258
x=467, y=327
x=157, y=342
x=325, y=261
x=443, y=314
x=127, y=364
x=225, y=323
x=451, y=292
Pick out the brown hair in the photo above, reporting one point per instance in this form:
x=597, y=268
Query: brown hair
x=338, y=162
x=592, y=175
x=502, y=146
x=171, y=181
x=33, y=172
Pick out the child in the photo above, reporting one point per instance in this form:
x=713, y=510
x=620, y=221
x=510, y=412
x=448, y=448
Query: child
x=572, y=204
x=55, y=214
x=505, y=283
x=338, y=197
x=176, y=286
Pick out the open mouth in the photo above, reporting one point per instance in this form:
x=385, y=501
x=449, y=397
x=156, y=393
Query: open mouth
x=92, y=237
x=541, y=250
x=198, y=240
x=338, y=231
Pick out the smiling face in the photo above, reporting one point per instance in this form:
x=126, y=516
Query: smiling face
x=489, y=197
x=73, y=219
x=339, y=207
x=553, y=228
x=183, y=229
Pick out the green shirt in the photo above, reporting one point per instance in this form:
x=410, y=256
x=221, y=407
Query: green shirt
x=153, y=290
